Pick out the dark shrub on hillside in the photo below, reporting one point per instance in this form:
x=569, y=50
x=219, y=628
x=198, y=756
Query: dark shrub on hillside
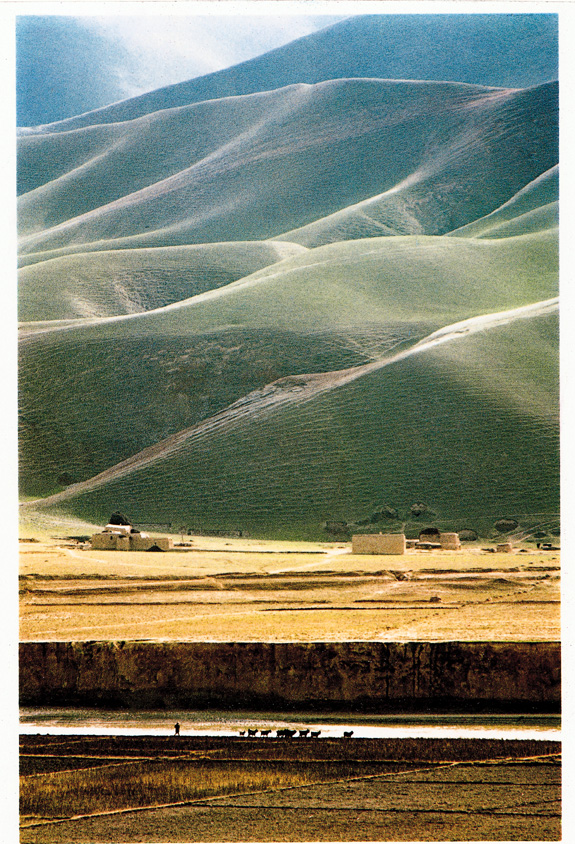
x=384, y=511
x=506, y=525
x=337, y=528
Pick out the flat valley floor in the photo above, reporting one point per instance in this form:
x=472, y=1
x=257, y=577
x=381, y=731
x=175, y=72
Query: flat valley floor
x=356, y=790
x=219, y=589
x=240, y=589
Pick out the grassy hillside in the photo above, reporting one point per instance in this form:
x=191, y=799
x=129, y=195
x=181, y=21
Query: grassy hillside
x=497, y=50
x=180, y=234
x=294, y=292
x=437, y=156
x=534, y=207
x=536, y=201
x=102, y=284
x=94, y=392
x=468, y=427
x=540, y=219
x=351, y=285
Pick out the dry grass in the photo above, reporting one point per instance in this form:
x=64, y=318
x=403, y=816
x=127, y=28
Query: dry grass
x=252, y=590
x=489, y=622
x=155, y=771
x=157, y=782
x=209, y=556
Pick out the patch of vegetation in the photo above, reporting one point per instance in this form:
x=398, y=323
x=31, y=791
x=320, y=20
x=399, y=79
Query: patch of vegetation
x=506, y=525
x=158, y=781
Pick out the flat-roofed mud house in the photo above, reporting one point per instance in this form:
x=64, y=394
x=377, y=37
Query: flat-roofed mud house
x=378, y=543
x=396, y=543
x=127, y=538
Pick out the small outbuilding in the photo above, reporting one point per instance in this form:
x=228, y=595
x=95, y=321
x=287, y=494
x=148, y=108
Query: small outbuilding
x=450, y=542
x=430, y=534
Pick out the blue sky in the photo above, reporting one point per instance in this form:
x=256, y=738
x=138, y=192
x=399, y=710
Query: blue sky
x=70, y=64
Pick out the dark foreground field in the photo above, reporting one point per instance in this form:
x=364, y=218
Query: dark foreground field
x=95, y=789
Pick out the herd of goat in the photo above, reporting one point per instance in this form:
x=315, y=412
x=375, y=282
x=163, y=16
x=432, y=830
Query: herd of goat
x=287, y=733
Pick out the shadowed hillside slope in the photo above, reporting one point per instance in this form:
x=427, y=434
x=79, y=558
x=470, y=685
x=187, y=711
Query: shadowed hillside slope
x=533, y=208
x=93, y=392
x=447, y=422
x=540, y=198
x=436, y=156
x=102, y=284
x=497, y=50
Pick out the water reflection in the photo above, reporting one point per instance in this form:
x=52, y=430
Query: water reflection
x=66, y=720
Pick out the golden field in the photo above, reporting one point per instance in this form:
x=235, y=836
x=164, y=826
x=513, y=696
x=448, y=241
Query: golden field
x=223, y=589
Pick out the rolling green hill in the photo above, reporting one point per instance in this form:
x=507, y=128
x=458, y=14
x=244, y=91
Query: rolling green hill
x=536, y=205
x=101, y=284
x=467, y=426
x=500, y=50
x=437, y=156
x=95, y=391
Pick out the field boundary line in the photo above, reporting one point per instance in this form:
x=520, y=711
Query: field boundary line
x=398, y=811
x=205, y=800
x=193, y=755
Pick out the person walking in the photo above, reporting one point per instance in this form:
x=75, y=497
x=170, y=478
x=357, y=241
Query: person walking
x=176, y=729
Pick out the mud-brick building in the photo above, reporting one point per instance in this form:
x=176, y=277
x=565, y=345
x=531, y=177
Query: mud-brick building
x=378, y=543
x=434, y=538
x=126, y=538
x=396, y=543
x=450, y=542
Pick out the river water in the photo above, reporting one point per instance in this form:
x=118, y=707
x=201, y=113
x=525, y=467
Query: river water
x=67, y=721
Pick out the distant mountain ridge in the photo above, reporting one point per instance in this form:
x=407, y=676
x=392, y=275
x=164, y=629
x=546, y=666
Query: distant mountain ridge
x=509, y=51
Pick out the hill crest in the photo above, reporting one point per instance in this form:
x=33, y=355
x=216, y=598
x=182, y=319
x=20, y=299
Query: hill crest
x=518, y=50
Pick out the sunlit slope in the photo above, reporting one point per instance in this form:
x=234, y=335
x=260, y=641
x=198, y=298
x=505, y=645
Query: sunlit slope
x=546, y=217
x=101, y=284
x=498, y=50
x=534, y=206
x=469, y=427
x=438, y=156
x=180, y=234
x=96, y=391
x=352, y=284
